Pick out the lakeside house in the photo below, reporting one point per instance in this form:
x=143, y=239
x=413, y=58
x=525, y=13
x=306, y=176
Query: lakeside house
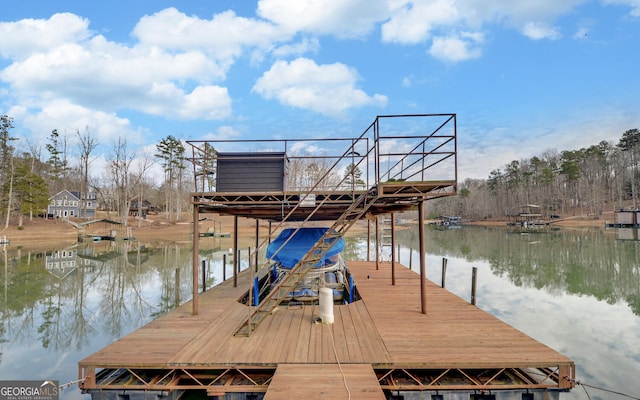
x=68, y=203
x=142, y=208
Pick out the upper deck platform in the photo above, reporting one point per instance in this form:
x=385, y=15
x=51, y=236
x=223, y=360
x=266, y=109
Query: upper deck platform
x=397, y=162
x=394, y=197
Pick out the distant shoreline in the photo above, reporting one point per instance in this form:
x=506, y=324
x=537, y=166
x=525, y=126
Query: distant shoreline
x=40, y=234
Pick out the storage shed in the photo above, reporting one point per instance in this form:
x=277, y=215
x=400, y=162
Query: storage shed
x=251, y=172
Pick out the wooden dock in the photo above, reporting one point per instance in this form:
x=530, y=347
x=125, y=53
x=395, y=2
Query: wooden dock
x=378, y=344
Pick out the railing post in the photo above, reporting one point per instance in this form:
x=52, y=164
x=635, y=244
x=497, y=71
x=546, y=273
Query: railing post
x=444, y=271
x=235, y=251
x=474, y=275
x=224, y=267
x=204, y=276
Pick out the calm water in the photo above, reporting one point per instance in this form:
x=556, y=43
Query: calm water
x=577, y=291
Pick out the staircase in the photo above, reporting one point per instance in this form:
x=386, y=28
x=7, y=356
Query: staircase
x=404, y=166
x=269, y=304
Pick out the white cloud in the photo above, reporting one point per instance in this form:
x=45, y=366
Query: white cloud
x=515, y=14
x=537, y=31
x=416, y=21
x=109, y=76
x=455, y=49
x=634, y=4
x=27, y=36
x=67, y=118
x=581, y=33
x=206, y=102
x=307, y=45
x=223, y=38
x=485, y=148
x=412, y=22
x=328, y=89
x=352, y=18
x=224, y=133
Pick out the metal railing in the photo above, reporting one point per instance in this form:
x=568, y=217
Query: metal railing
x=392, y=149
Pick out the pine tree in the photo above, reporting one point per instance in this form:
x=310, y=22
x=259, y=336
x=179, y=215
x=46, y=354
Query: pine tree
x=6, y=164
x=30, y=191
x=171, y=153
x=630, y=143
x=58, y=165
x=353, y=177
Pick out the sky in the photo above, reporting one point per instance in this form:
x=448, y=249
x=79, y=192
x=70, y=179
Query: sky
x=522, y=76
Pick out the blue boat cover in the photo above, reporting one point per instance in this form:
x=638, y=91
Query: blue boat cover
x=298, y=246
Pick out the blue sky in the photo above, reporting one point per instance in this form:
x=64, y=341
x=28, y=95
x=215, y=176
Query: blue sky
x=523, y=76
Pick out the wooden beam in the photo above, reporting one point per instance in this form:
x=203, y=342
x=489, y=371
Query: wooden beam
x=423, y=257
x=393, y=250
x=196, y=236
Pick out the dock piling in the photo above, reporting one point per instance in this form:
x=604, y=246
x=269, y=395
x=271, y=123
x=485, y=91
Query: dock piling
x=474, y=276
x=444, y=271
x=204, y=276
x=410, y=259
x=177, y=288
x=224, y=267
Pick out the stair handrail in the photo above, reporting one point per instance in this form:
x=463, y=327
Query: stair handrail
x=348, y=153
x=307, y=260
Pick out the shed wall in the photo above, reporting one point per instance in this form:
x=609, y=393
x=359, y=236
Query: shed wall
x=251, y=172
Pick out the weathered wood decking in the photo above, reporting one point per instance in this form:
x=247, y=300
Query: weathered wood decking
x=383, y=331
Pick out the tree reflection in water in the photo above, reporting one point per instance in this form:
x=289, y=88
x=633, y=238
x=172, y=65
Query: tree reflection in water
x=585, y=262
x=60, y=306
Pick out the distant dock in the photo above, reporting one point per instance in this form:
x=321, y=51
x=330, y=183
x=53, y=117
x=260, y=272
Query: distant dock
x=625, y=219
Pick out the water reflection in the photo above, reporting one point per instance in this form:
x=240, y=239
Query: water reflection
x=60, y=306
x=579, y=262
x=573, y=290
x=577, y=291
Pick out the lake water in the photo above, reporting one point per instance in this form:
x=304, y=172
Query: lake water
x=577, y=291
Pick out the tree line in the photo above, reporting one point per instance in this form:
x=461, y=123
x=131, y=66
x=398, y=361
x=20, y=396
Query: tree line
x=31, y=173
x=585, y=182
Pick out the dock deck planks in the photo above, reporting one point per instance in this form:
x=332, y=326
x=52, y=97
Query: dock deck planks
x=383, y=330
x=324, y=381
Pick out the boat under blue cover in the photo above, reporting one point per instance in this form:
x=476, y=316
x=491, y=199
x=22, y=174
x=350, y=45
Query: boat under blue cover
x=297, y=245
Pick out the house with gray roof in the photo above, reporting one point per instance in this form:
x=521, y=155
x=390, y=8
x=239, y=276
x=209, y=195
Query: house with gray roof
x=66, y=203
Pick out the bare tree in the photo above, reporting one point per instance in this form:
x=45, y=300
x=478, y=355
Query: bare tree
x=119, y=166
x=86, y=144
x=305, y=172
x=138, y=178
